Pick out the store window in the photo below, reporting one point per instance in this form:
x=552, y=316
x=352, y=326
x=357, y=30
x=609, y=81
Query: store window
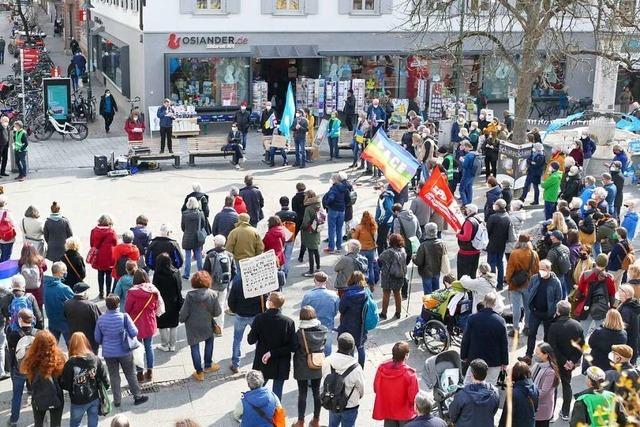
x=365, y=6
x=110, y=61
x=289, y=6
x=498, y=78
x=380, y=72
x=209, y=82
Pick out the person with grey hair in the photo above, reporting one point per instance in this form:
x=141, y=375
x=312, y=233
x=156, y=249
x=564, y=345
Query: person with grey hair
x=348, y=263
x=32, y=227
x=123, y=252
x=424, y=405
x=481, y=286
x=259, y=403
x=55, y=295
x=103, y=240
x=468, y=256
x=336, y=201
x=194, y=231
x=500, y=232
x=219, y=263
x=164, y=243
x=253, y=200
x=56, y=232
x=535, y=168
x=18, y=289
x=202, y=198
x=429, y=259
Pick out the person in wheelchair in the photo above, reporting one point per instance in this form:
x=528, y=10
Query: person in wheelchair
x=437, y=302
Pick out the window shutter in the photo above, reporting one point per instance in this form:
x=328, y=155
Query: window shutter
x=386, y=7
x=311, y=7
x=266, y=7
x=187, y=6
x=233, y=6
x=344, y=6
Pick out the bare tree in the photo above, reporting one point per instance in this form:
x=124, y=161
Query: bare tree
x=528, y=35
x=25, y=23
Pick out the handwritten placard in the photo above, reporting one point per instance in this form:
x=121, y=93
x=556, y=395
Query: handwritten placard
x=259, y=274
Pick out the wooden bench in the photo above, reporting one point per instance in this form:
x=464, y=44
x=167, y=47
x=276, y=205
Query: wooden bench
x=207, y=147
x=346, y=138
x=290, y=149
x=153, y=153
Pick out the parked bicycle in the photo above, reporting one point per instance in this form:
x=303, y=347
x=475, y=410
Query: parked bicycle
x=46, y=125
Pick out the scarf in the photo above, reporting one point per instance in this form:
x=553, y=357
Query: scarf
x=307, y=324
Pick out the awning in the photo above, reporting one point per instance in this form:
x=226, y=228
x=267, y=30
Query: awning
x=285, y=51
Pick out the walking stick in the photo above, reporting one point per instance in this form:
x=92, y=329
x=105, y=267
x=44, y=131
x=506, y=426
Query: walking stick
x=409, y=289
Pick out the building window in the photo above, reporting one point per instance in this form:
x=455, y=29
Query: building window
x=110, y=61
x=209, y=5
x=288, y=7
x=366, y=6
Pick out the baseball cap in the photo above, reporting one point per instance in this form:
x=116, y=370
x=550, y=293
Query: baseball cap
x=623, y=350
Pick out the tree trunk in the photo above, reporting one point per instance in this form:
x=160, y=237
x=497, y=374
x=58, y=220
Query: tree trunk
x=25, y=24
x=526, y=78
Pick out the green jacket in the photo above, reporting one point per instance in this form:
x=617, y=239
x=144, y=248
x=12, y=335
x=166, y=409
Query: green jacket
x=551, y=187
x=333, y=128
x=20, y=142
x=310, y=236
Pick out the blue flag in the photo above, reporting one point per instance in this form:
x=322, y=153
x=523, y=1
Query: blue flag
x=288, y=114
x=558, y=123
x=628, y=123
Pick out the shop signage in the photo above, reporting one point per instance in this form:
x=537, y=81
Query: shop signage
x=176, y=41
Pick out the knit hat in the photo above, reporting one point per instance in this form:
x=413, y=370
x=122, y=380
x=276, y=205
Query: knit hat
x=602, y=260
x=573, y=171
x=442, y=150
x=622, y=350
x=557, y=234
x=595, y=374
x=555, y=166
x=431, y=230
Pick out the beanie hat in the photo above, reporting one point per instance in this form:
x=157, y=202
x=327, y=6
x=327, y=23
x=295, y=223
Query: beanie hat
x=602, y=260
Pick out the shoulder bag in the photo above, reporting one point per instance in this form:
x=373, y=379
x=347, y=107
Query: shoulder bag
x=201, y=234
x=314, y=360
x=129, y=343
x=72, y=267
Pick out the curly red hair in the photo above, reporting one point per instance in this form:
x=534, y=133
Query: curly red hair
x=44, y=357
x=368, y=222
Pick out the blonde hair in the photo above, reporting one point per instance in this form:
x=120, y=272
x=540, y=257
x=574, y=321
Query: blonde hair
x=613, y=320
x=634, y=271
x=72, y=244
x=558, y=223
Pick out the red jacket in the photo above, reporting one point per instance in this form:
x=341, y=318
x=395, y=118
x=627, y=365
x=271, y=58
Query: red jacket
x=239, y=205
x=587, y=278
x=275, y=239
x=103, y=239
x=131, y=135
x=465, y=236
x=395, y=386
x=144, y=314
x=124, y=249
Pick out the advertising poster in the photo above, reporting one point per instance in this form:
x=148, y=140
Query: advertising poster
x=57, y=97
x=512, y=163
x=259, y=274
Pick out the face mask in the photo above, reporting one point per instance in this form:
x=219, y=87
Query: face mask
x=107, y=94
x=544, y=274
x=583, y=137
x=243, y=108
x=297, y=114
x=537, y=359
x=481, y=116
x=375, y=104
x=135, y=118
x=268, y=107
x=234, y=128
x=612, y=357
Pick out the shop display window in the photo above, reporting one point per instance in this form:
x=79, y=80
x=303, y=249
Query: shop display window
x=110, y=61
x=416, y=68
x=209, y=82
x=380, y=72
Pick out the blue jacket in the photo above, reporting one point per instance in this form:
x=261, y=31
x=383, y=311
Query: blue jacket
x=122, y=287
x=535, y=165
x=141, y=238
x=630, y=222
x=384, y=214
x=165, y=121
x=108, y=332
x=55, y=295
x=262, y=398
x=377, y=111
x=467, y=166
x=337, y=197
x=485, y=337
x=455, y=131
x=622, y=158
x=474, y=406
x=588, y=147
x=351, y=307
x=325, y=302
x=492, y=195
x=611, y=195
x=585, y=196
x=525, y=402
x=224, y=221
x=554, y=294
x=617, y=254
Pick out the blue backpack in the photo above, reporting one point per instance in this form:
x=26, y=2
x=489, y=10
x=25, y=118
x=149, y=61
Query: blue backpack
x=370, y=313
x=17, y=304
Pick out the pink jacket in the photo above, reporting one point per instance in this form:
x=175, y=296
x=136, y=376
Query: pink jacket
x=543, y=378
x=143, y=314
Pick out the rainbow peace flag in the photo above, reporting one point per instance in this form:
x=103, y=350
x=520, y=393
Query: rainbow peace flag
x=8, y=269
x=395, y=162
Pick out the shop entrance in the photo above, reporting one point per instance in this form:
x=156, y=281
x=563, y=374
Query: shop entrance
x=277, y=73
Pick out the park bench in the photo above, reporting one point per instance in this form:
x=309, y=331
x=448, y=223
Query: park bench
x=207, y=147
x=312, y=150
x=149, y=149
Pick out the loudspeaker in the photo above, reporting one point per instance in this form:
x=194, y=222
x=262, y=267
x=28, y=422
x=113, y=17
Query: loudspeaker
x=100, y=165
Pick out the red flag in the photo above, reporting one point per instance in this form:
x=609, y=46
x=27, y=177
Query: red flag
x=435, y=192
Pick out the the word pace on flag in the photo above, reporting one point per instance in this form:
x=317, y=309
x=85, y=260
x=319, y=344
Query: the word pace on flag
x=394, y=161
x=435, y=192
x=259, y=274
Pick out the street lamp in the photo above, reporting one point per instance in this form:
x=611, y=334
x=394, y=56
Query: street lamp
x=87, y=6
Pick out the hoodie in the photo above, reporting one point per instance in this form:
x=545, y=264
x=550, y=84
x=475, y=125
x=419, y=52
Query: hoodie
x=337, y=197
x=128, y=250
x=384, y=213
x=407, y=225
x=474, y=406
x=630, y=312
x=143, y=304
x=262, y=398
x=395, y=386
x=525, y=401
x=354, y=381
x=55, y=295
x=351, y=307
x=81, y=377
x=345, y=267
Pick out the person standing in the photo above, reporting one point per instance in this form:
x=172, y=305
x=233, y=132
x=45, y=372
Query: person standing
x=200, y=307
x=82, y=315
x=242, y=120
x=275, y=239
x=350, y=110
x=225, y=220
x=521, y=266
x=336, y=201
x=588, y=148
x=134, y=127
x=551, y=189
x=164, y=243
x=393, y=269
x=618, y=181
x=365, y=233
x=259, y=404
x=123, y=252
x=333, y=135
x=595, y=405
x=395, y=386
x=625, y=99
x=275, y=339
x=524, y=398
x=560, y=258
x=376, y=115
x=596, y=294
x=347, y=264
x=5, y=142
x=108, y=109
x=297, y=205
x=166, y=114
x=20, y=147
x=603, y=338
x=166, y=279
x=3, y=44
x=477, y=403
x=384, y=218
x=325, y=304
x=268, y=120
x=244, y=241
x=310, y=234
x=468, y=168
x=102, y=240
x=253, y=199
x=55, y=295
x=468, y=256
x=499, y=230
x=300, y=127
x=202, y=198
x=220, y=265
x=32, y=227
x=351, y=307
x=546, y=379
x=425, y=405
x=535, y=168
x=289, y=220
x=76, y=269
x=429, y=259
x=194, y=227
x=629, y=309
x=56, y=231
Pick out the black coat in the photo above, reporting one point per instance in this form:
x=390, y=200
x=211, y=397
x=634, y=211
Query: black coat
x=263, y=118
x=350, y=105
x=630, y=312
x=242, y=120
x=498, y=227
x=273, y=332
x=114, y=106
x=600, y=342
x=563, y=332
x=82, y=316
x=571, y=188
x=493, y=194
x=169, y=284
x=485, y=337
x=297, y=205
x=167, y=245
x=76, y=269
x=5, y=136
x=241, y=306
x=255, y=202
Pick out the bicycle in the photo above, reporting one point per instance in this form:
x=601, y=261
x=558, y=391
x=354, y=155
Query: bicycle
x=47, y=124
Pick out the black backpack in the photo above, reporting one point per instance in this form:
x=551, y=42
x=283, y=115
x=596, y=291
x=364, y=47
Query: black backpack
x=121, y=266
x=597, y=300
x=334, y=396
x=47, y=394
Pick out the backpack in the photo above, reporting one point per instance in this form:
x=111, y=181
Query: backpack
x=291, y=228
x=121, y=265
x=334, y=397
x=564, y=263
x=370, y=313
x=476, y=168
x=17, y=304
x=22, y=347
x=220, y=268
x=629, y=257
x=7, y=230
x=320, y=219
x=597, y=303
x=353, y=198
x=397, y=269
x=480, y=240
x=31, y=276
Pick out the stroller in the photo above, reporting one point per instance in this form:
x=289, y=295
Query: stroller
x=443, y=374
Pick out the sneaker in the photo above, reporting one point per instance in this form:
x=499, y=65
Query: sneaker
x=217, y=330
x=140, y=376
x=328, y=251
x=237, y=167
x=198, y=376
x=117, y=405
x=172, y=349
x=140, y=400
x=308, y=274
x=164, y=348
x=565, y=417
x=185, y=277
x=228, y=312
x=234, y=369
x=213, y=368
x=4, y=377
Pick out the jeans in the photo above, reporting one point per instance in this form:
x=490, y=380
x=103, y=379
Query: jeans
x=549, y=209
x=58, y=332
x=336, y=222
x=244, y=140
x=466, y=190
x=303, y=388
x=288, y=250
x=528, y=182
x=328, y=342
x=430, y=284
x=108, y=119
x=278, y=385
x=55, y=417
x=21, y=162
x=361, y=355
x=370, y=255
x=104, y=281
x=148, y=352
x=5, y=251
x=586, y=325
x=239, y=325
x=355, y=148
x=74, y=82
x=208, y=355
x=237, y=153
x=467, y=265
x=113, y=367
x=519, y=301
x=301, y=152
x=78, y=411
x=564, y=284
x=534, y=323
x=18, y=381
x=496, y=261
x=166, y=132
x=333, y=147
x=381, y=239
x=168, y=336
x=272, y=155
x=346, y=418
x=597, y=249
x=187, y=260
x=567, y=393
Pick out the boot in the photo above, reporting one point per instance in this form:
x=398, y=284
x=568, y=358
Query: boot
x=299, y=423
x=140, y=376
x=315, y=422
x=149, y=375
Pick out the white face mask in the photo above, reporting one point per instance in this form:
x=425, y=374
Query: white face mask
x=135, y=118
x=297, y=114
x=375, y=104
x=544, y=274
x=234, y=128
x=243, y=108
x=481, y=116
x=268, y=107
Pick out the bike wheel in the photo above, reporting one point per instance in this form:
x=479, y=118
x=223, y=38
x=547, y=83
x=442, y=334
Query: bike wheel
x=42, y=131
x=82, y=132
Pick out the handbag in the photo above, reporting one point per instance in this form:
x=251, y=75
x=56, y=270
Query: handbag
x=92, y=256
x=201, y=234
x=105, y=403
x=129, y=343
x=314, y=360
x=72, y=267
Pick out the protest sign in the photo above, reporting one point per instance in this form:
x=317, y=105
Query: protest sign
x=259, y=274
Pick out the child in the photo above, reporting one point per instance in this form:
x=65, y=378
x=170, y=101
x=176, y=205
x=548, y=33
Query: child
x=125, y=283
